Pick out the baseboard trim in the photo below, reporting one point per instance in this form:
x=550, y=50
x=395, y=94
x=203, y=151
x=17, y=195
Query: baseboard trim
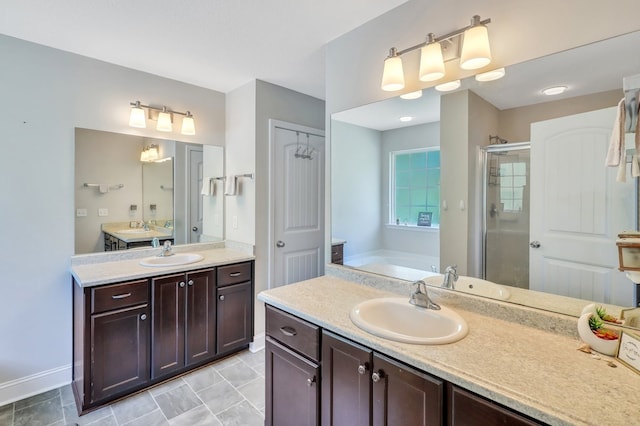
x=24, y=387
x=258, y=343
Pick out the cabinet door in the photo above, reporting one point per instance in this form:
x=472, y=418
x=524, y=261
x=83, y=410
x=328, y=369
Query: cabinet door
x=292, y=395
x=201, y=316
x=119, y=351
x=469, y=409
x=346, y=382
x=404, y=396
x=234, y=317
x=167, y=334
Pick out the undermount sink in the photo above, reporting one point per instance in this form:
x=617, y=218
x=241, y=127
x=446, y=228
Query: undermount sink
x=394, y=318
x=173, y=260
x=476, y=286
x=132, y=231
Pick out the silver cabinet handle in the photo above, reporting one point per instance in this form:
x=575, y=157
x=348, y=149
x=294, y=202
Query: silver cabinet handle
x=235, y=274
x=280, y=244
x=311, y=381
x=288, y=331
x=143, y=317
x=190, y=282
x=362, y=368
x=121, y=296
x=181, y=284
x=535, y=244
x=221, y=297
x=377, y=376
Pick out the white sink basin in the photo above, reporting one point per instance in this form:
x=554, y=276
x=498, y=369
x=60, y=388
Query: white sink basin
x=132, y=231
x=394, y=318
x=475, y=286
x=173, y=260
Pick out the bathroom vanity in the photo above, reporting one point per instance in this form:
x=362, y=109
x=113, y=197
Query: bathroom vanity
x=322, y=369
x=136, y=326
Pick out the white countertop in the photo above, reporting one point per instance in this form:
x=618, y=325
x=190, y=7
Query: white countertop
x=126, y=265
x=533, y=371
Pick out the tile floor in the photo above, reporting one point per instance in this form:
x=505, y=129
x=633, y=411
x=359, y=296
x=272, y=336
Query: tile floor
x=228, y=392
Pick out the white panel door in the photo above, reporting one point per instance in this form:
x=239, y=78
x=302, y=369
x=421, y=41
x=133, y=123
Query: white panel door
x=298, y=233
x=577, y=210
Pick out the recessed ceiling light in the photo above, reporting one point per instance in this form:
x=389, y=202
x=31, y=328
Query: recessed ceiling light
x=405, y=119
x=491, y=75
x=412, y=95
x=446, y=87
x=555, y=90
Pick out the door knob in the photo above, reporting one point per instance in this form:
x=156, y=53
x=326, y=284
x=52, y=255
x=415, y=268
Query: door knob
x=535, y=244
x=280, y=244
x=377, y=376
x=194, y=229
x=362, y=368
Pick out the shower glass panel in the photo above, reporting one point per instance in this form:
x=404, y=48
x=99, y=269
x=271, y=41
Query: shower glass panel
x=506, y=214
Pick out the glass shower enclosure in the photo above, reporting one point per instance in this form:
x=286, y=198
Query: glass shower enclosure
x=506, y=186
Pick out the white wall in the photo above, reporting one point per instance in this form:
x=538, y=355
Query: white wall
x=356, y=177
x=46, y=94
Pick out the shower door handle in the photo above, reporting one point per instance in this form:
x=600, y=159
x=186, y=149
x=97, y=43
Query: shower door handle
x=534, y=244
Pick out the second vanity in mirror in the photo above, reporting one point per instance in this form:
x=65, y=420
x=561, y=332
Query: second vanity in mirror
x=382, y=244
x=125, y=198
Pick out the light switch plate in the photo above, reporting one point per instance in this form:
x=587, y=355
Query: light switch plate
x=81, y=212
x=103, y=212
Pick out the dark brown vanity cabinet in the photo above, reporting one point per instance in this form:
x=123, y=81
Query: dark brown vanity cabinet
x=184, y=321
x=292, y=370
x=234, y=306
x=361, y=387
x=111, y=340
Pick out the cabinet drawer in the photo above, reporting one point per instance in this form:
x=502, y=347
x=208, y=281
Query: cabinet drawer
x=298, y=334
x=337, y=253
x=233, y=274
x=105, y=298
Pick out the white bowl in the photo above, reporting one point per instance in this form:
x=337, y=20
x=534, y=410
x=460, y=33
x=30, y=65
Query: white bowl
x=605, y=347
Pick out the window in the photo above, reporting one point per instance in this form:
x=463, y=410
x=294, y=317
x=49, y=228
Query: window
x=414, y=182
x=513, y=179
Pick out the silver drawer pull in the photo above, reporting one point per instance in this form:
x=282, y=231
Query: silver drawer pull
x=143, y=317
x=235, y=274
x=288, y=331
x=377, y=376
x=121, y=296
x=221, y=297
x=190, y=282
x=311, y=381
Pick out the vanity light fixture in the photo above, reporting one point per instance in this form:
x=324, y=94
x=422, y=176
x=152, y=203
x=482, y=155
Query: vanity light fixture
x=163, y=116
x=475, y=53
x=149, y=154
x=412, y=95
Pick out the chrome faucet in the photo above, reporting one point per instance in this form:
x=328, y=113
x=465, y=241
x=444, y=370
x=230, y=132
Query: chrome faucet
x=450, y=277
x=166, y=249
x=420, y=297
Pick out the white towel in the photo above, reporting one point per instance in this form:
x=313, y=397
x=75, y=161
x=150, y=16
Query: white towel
x=231, y=185
x=207, y=187
x=616, y=151
x=104, y=188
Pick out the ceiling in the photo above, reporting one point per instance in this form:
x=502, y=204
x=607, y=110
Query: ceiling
x=216, y=44
x=594, y=68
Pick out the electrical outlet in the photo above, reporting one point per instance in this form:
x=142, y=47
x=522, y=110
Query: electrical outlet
x=103, y=212
x=235, y=222
x=81, y=212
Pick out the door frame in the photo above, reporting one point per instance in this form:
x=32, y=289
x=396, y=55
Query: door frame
x=273, y=125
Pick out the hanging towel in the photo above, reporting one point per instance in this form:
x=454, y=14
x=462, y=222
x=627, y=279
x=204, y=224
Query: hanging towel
x=103, y=188
x=232, y=185
x=207, y=187
x=616, y=143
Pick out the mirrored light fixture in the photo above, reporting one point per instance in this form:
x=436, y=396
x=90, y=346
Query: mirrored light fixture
x=412, y=95
x=163, y=116
x=149, y=153
x=448, y=86
x=491, y=75
x=555, y=90
x=475, y=53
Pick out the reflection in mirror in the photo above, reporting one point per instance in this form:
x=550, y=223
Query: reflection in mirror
x=122, y=202
x=363, y=198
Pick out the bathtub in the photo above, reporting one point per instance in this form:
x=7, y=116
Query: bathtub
x=398, y=264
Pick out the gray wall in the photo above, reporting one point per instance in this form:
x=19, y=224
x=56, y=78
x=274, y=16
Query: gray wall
x=46, y=94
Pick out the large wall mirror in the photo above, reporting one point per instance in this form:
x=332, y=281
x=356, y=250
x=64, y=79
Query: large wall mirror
x=124, y=199
x=374, y=154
